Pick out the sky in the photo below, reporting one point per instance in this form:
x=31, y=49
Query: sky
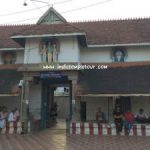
x=14, y=12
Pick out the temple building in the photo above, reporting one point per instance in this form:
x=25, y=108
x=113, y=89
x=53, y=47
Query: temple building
x=80, y=65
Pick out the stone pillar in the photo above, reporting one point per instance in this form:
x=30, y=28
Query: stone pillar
x=25, y=102
x=75, y=103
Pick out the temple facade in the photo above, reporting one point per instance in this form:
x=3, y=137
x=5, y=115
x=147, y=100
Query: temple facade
x=81, y=66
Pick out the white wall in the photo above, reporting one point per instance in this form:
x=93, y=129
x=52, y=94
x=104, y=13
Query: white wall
x=31, y=54
x=95, y=55
x=63, y=106
x=92, y=104
x=140, y=102
x=138, y=53
x=69, y=50
x=35, y=101
x=20, y=57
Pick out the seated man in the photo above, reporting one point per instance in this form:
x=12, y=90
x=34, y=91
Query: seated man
x=141, y=117
x=100, y=116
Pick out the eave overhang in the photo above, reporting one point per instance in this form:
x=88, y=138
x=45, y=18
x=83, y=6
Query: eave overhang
x=47, y=35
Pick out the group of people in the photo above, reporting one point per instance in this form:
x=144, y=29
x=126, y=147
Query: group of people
x=127, y=118
x=123, y=119
x=5, y=116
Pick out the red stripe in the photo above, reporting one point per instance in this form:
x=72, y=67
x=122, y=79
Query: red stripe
x=99, y=129
x=91, y=128
x=73, y=128
x=108, y=131
x=82, y=128
x=143, y=130
x=134, y=130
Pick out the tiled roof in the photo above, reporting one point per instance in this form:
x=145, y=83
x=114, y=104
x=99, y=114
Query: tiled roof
x=61, y=28
x=5, y=33
x=97, y=32
x=116, y=31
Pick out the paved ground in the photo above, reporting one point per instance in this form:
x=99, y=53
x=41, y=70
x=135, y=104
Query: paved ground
x=57, y=140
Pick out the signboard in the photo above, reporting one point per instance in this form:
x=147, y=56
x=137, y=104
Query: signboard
x=53, y=75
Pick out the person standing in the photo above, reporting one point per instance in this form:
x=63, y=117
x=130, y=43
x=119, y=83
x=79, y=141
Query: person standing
x=2, y=120
x=50, y=52
x=118, y=119
x=100, y=116
x=43, y=52
x=128, y=120
x=11, y=116
x=16, y=114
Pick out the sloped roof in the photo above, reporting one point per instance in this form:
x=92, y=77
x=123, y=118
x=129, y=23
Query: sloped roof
x=128, y=80
x=100, y=32
x=97, y=32
x=6, y=31
x=116, y=31
x=44, y=29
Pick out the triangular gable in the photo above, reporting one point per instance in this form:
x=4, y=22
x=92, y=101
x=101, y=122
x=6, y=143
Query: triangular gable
x=51, y=16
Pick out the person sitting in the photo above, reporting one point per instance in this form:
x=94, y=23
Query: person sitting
x=2, y=119
x=100, y=116
x=141, y=117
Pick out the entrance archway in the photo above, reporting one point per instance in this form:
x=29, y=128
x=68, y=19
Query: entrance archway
x=49, y=84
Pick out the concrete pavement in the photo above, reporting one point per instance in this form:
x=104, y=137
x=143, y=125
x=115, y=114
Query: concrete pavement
x=57, y=140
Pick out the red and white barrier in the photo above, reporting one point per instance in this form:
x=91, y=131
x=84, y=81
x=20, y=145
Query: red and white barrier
x=107, y=129
x=19, y=128
x=11, y=128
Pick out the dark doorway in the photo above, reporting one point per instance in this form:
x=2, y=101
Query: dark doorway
x=124, y=103
x=49, y=84
x=83, y=111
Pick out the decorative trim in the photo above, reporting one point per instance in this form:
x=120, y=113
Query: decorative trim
x=48, y=35
x=10, y=49
x=115, y=45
